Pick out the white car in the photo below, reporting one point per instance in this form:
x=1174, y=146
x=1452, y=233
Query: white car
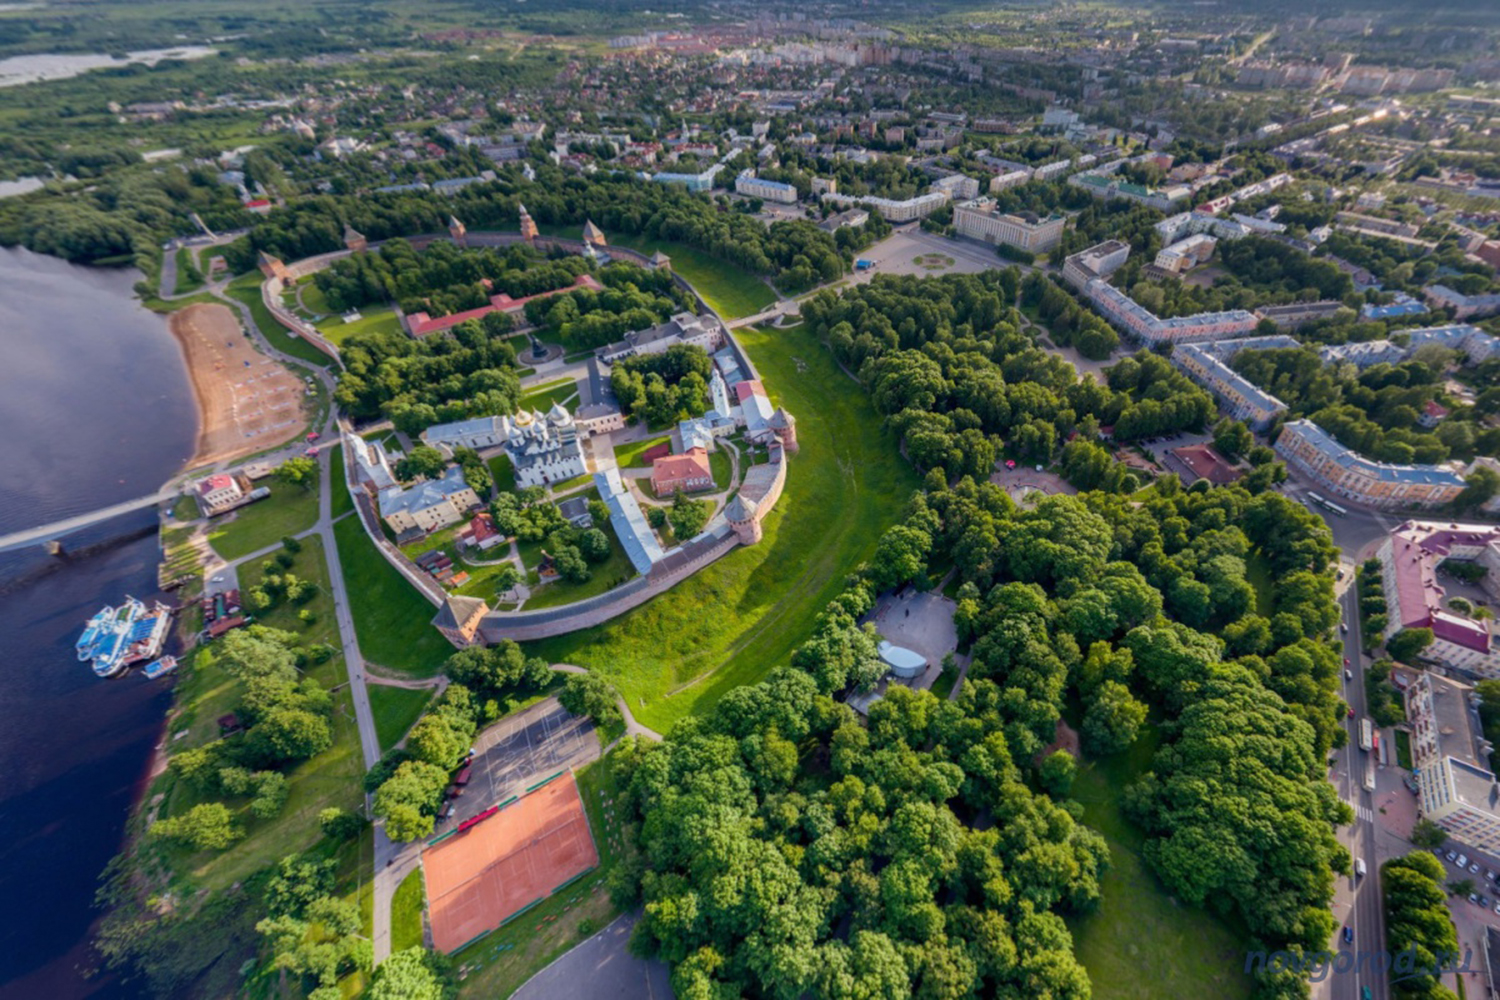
x=1474, y=869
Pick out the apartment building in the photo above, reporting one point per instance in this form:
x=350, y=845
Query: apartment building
x=1208, y=365
x=981, y=220
x=1450, y=759
x=907, y=210
x=752, y=186
x=1351, y=476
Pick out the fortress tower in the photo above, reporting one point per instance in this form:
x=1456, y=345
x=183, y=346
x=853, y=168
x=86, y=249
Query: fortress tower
x=741, y=515
x=458, y=231
x=785, y=426
x=593, y=235
x=354, y=240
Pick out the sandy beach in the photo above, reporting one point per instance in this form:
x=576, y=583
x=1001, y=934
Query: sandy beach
x=247, y=403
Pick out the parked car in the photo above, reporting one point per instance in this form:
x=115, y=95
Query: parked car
x=1348, y=935
x=1344, y=627
x=1451, y=856
x=1359, y=867
x=1473, y=899
x=1474, y=869
x=1348, y=674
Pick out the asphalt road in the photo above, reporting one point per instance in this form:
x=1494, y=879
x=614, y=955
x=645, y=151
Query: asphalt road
x=601, y=968
x=1357, y=900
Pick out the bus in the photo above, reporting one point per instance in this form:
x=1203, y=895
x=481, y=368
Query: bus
x=1315, y=498
x=1366, y=735
x=1370, y=775
x=1335, y=508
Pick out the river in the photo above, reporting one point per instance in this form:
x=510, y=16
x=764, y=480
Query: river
x=96, y=409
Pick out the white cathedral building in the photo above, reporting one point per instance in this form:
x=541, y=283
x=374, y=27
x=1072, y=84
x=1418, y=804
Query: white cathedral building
x=543, y=448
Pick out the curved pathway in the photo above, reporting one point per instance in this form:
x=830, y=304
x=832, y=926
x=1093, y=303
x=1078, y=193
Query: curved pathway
x=632, y=728
x=601, y=968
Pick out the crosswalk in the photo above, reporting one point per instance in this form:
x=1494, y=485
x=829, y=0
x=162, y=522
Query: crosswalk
x=1364, y=814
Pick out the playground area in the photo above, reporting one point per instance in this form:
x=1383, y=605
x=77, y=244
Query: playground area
x=480, y=878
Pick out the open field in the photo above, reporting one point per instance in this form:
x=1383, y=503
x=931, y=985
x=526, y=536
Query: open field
x=612, y=572
x=393, y=621
x=736, y=619
x=288, y=510
x=1142, y=944
x=187, y=281
x=371, y=320
x=396, y=710
x=729, y=291
x=543, y=396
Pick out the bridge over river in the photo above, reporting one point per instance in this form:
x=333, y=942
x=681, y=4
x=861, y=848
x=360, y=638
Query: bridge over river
x=47, y=532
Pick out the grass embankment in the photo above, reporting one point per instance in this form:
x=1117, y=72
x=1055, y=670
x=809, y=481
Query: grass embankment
x=341, y=502
x=332, y=778
x=370, y=321
x=500, y=963
x=188, y=278
x=406, y=912
x=246, y=289
x=733, y=621
x=612, y=572
x=730, y=291
x=393, y=621
x=396, y=710
x=1142, y=944
x=288, y=510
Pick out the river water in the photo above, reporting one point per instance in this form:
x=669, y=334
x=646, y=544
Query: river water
x=95, y=408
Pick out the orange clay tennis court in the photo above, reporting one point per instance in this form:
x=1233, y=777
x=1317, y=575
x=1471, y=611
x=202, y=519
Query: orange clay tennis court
x=478, y=878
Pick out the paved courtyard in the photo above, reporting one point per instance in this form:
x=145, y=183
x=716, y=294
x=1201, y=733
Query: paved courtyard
x=520, y=751
x=919, y=621
x=1024, y=482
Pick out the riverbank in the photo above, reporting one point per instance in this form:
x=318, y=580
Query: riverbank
x=247, y=403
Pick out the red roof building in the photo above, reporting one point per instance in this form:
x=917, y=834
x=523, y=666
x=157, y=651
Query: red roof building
x=1206, y=463
x=419, y=324
x=688, y=472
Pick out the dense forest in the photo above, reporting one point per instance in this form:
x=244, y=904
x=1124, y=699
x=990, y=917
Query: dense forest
x=791, y=851
x=945, y=361
x=470, y=372
x=443, y=278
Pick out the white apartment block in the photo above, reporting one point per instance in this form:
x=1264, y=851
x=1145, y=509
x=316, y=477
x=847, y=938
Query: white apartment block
x=1456, y=788
x=980, y=219
x=752, y=186
x=908, y=210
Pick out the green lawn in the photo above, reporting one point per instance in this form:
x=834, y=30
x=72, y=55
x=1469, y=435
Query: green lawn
x=185, y=281
x=542, y=397
x=723, y=468
x=288, y=510
x=1403, y=749
x=247, y=290
x=1258, y=574
x=503, y=473
x=395, y=710
x=342, y=502
x=206, y=692
x=627, y=455
x=506, y=959
x=377, y=320
x=406, y=912
x=612, y=572
x=847, y=485
x=393, y=621
x=1142, y=944
x=730, y=291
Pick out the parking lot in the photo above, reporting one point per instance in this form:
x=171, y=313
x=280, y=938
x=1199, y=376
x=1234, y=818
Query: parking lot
x=520, y=751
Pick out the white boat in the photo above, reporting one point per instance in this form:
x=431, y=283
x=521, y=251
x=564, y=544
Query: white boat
x=115, y=638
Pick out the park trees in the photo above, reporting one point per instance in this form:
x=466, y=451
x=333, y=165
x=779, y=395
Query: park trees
x=208, y=826
x=590, y=695
x=299, y=471
x=1416, y=918
x=1406, y=645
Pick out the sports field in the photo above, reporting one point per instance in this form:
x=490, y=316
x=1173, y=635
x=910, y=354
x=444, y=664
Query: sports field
x=480, y=877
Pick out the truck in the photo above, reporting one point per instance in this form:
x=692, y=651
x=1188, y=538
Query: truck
x=863, y=265
x=1359, y=867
